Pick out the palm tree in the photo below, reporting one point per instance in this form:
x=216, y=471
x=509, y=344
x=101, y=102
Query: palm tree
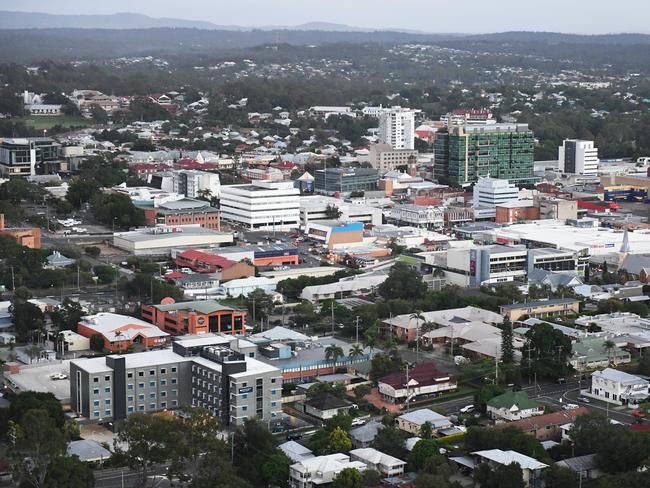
x=356, y=350
x=332, y=353
x=419, y=318
x=370, y=341
x=118, y=336
x=609, y=346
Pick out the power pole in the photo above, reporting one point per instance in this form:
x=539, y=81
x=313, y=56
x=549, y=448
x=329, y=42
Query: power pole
x=78, y=274
x=407, y=387
x=496, y=366
x=417, y=341
x=357, y=340
x=452, y=342
x=253, y=312
x=13, y=280
x=332, y=311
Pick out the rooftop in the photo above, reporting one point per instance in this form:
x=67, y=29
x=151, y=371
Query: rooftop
x=539, y=303
x=116, y=327
x=198, y=306
x=508, y=457
x=422, y=375
x=618, y=376
x=423, y=415
x=511, y=399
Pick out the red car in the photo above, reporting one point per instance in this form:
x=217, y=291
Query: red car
x=639, y=414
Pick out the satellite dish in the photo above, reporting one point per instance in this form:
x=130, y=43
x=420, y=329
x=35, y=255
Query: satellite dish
x=167, y=301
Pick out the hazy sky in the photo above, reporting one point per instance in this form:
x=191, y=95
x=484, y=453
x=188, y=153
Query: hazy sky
x=579, y=16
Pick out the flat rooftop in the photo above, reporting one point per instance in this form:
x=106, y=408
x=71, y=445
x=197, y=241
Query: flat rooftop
x=37, y=378
x=313, y=353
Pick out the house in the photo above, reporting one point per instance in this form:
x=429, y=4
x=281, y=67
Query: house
x=548, y=426
x=513, y=405
x=320, y=470
x=591, y=353
x=378, y=461
x=296, y=452
x=205, y=262
x=326, y=406
x=540, y=308
x=58, y=260
x=412, y=421
x=585, y=466
x=613, y=386
x=423, y=381
x=120, y=332
x=364, y=436
x=88, y=451
x=531, y=468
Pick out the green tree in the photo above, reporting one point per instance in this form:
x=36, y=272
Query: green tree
x=69, y=472
x=260, y=304
x=506, y=476
x=105, y=273
x=118, y=209
x=426, y=430
x=37, y=443
x=67, y=316
x=27, y=318
x=507, y=346
x=81, y=191
x=383, y=364
x=332, y=212
x=390, y=440
x=560, y=477
x=361, y=391
x=485, y=394
x=93, y=251
x=35, y=400
x=552, y=349
x=423, y=450
x=609, y=346
x=276, y=469
x=371, y=477
x=253, y=441
x=339, y=441
x=356, y=350
x=348, y=478
x=149, y=440
x=403, y=282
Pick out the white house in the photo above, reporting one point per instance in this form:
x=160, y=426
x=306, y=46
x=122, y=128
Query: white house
x=377, y=460
x=615, y=386
x=320, y=470
x=513, y=405
x=531, y=468
x=412, y=421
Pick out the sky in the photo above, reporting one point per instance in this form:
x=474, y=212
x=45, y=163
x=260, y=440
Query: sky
x=462, y=16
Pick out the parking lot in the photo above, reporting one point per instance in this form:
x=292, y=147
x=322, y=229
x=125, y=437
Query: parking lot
x=37, y=378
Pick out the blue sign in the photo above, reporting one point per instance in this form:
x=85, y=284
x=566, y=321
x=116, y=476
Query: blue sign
x=246, y=390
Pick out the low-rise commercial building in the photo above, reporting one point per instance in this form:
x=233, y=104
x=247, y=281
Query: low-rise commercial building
x=207, y=262
x=25, y=236
x=120, y=332
x=335, y=234
x=204, y=372
x=195, y=317
x=158, y=241
x=418, y=215
x=384, y=158
x=540, y=308
x=186, y=211
x=548, y=426
x=315, y=209
x=29, y=156
x=613, y=386
x=345, y=180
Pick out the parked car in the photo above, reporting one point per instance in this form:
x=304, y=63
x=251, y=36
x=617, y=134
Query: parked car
x=467, y=409
x=639, y=414
x=584, y=400
x=571, y=406
x=59, y=376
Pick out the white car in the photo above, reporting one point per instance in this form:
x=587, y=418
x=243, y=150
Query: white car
x=571, y=406
x=467, y=409
x=59, y=376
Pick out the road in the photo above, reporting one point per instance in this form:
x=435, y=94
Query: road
x=124, y=477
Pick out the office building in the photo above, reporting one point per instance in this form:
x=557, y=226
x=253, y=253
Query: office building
x=345, y=180
x=262, y=205
x=491, y=192
x=465, y=153
x=30, y=156
x=397, y=128
x=464, y=116
x=195, y=317
x=209, y=371
x=194, y=183
x=578, y=157
x=315, y=209
x=481, y=265
x=186, y=211
x=158, y=241
x=418, y=215
x=384, y=158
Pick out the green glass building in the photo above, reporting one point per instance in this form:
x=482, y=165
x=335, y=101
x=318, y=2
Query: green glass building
x=467, y=152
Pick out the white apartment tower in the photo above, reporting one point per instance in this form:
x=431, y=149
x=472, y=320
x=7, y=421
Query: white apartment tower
x=578, y=157
x=262, y=205
x=397, y=128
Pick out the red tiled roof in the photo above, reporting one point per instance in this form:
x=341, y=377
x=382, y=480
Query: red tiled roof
x=205, y=257
x=187, y=163
x=174, y=275
x=424, y=373
x=541, y=421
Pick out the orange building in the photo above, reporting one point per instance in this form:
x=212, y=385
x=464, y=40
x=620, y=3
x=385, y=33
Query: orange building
x=25, y=236
x=204, y=262
x=121, y=332
x=195, y=317
x=516, y=212
x=184, y=212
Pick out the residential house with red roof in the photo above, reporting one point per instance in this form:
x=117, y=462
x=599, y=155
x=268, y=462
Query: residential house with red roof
x=204, y=262
x=423, y=381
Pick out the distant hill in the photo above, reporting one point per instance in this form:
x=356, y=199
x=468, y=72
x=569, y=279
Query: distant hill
x=560, y=38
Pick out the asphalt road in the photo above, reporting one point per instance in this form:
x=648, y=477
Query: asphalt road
x=124, y=477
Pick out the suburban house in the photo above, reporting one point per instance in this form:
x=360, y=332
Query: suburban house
x=584, y=466
x=591, y=353
x=364, y=436
x=377, y=460
x=423, y=381
x=513, y=405
x=540, y=308
x=296, y=452
x=412, y=422
x=613, y=386
x=326, y=406
x=531, y=468
x=320, y=470
x=548, y=426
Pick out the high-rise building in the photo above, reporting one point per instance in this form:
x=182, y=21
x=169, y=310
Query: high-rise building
x=578, y=157
x=397, y=128
x=262, y=205
x=384, y=158
x=465, y=153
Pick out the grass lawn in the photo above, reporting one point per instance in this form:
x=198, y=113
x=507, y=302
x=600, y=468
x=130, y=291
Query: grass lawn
x=41, y=122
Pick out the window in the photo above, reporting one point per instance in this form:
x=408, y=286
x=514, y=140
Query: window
x=140, y=385
x=163, y=393
x=152, y=384
x=129, y=375
x=107, y=412
x=95, y=379
x=107, y=401
x=141, y=397
x=174, y=369
x=174, y=403
x=152, y=395
x=107, y=389
x=174, y=381
x=140, y=374
x=95, y=403
x=129, y=386
x=152, y=406
x=152, y=372
x=107, y=378
x=95, y=391
x=259, y=381
x=273, y=404
x=163, y=370
x=141, y=408
x=163, y=382
x=129, y=409
x=163, y=405
x=96, y=413
x=244, y=396
x=244, y=408
x=129, y=398
x=174, y=392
